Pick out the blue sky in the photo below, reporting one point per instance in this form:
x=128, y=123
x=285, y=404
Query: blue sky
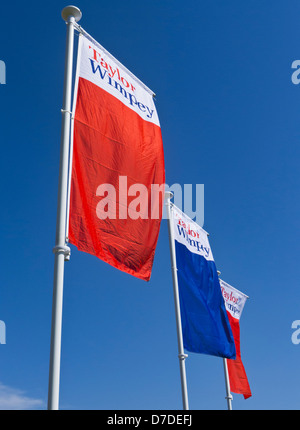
x=230, y=119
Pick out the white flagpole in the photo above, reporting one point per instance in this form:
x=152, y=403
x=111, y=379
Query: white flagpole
x=181, y=355
x=228, y=393
x=227, y=384
x=70, y=14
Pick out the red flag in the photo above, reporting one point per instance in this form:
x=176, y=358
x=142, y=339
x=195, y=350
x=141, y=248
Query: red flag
x=234, y=302
x=117, y=157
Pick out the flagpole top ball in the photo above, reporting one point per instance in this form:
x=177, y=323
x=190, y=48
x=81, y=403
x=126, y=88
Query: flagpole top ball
x=69, y=11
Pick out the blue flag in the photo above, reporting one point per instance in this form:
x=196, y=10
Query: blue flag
x=205, y=325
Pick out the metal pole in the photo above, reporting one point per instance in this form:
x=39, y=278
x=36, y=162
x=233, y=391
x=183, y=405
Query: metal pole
x=181, y=355
x=228, y=393
x=227, y=384
x=70, y=14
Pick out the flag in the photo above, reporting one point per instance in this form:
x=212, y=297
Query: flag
x=205, y=325
x=117, y=157
x=235, y=301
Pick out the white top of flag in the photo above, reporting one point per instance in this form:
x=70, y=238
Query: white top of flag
x=98, y=66
x=234, y=299
x=190, y=234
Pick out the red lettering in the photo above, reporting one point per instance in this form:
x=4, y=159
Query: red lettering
x=95, y=53
x=104, y=64
x=123, y=80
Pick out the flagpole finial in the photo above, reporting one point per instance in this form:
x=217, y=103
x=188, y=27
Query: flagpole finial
x=69, y=11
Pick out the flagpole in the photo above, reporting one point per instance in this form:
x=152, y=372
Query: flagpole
x=70, y=14
x=227, y=384
x=181, y=355
x=228, y=393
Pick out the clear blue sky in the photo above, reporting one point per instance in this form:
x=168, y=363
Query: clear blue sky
x=230, y=119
